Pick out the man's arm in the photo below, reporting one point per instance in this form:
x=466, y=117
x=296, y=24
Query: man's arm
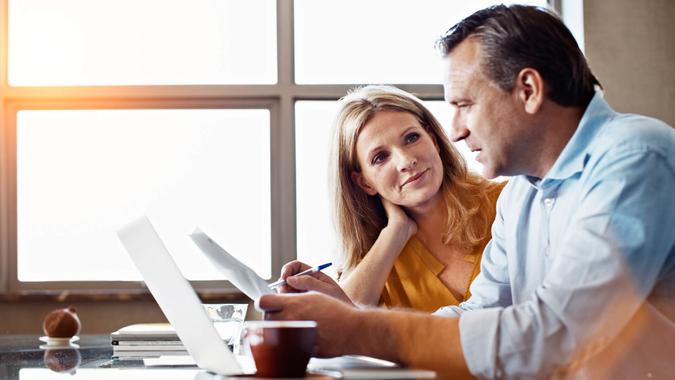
x=413, y=339
x=416, y=340
x=605, y=266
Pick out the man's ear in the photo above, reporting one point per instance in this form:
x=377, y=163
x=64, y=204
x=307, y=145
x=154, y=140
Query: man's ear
x=362, y=183
x=530, y=89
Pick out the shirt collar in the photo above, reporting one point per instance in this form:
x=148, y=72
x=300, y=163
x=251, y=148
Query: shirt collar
x=429, y=261
x=572, y=159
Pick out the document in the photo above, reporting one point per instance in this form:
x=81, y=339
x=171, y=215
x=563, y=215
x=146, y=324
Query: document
x=240, y=275
x=364, y=367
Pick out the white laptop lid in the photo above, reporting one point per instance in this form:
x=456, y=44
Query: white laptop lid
x=176, y=298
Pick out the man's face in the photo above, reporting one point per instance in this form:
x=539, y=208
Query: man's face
x=487, y=118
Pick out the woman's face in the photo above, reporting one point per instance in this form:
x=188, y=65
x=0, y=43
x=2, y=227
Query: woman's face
x=399, y=160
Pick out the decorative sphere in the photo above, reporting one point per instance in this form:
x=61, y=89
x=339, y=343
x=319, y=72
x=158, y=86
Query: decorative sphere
x=62, y=323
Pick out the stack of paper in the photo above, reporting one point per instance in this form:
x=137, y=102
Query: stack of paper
x=139, y=341
x=149, y=340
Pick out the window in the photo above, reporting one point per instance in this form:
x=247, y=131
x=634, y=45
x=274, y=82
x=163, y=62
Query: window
x=216, y=114
x=181, y=167
x=149, y=42
x=374, y=41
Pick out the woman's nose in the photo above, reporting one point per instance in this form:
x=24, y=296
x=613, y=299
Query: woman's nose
x=407, y=162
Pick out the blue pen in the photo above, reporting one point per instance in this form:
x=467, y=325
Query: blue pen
x=308, y=271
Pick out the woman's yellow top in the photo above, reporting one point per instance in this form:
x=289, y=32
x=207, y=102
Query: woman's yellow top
x=413, y=281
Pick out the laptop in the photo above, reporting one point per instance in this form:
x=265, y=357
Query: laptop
x=177, y=299
x=184, y=310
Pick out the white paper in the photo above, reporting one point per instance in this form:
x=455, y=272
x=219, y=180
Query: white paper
x=240, y=275
x=365, y=367
x=245, y=361
x=170, y=361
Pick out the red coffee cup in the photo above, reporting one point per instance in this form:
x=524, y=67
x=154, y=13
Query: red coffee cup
x=281, y=348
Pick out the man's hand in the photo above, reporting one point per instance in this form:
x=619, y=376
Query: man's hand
x=414, y=339
x=318, y=282
x=335, y=319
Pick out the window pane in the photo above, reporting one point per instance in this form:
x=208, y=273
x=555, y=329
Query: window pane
x=316, y=237
x=374, y=41
x=149, y=42
x=82, y=174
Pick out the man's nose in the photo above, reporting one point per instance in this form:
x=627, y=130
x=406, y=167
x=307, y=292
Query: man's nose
x=458, y=130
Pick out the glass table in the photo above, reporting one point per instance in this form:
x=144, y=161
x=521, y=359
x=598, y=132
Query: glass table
x=25, y=357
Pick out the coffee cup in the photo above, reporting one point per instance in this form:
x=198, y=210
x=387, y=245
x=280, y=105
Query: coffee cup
x=280, y=348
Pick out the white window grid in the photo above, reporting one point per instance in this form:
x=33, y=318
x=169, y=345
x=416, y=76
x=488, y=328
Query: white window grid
x=278, y=98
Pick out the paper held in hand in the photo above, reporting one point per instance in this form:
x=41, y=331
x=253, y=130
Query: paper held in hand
x=240, y=275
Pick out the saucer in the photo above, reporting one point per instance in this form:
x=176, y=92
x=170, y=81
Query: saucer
x=58, y=346
x=52, y=341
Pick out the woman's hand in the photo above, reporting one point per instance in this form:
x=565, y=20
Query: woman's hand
x=365, y=282
x=319, y=282
x=398, y=220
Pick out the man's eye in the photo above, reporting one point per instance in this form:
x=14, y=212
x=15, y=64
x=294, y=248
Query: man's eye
x=378, y=158
x=460, y=104
x=412, y=137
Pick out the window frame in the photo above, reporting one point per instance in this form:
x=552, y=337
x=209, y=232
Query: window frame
x=14, y=106
x=278, y=98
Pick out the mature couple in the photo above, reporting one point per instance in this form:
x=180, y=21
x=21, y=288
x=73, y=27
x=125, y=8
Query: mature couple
x=571, y=273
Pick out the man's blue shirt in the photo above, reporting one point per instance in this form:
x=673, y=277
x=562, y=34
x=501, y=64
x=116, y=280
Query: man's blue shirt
x=582, y=262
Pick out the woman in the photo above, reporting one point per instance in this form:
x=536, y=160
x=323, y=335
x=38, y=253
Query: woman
x=412, y=220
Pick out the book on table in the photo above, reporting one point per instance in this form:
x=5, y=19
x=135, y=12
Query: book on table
x=152, y=332
x=144, y=340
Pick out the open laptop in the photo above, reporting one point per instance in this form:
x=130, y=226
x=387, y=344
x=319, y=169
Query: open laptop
x=184, y=310
x=177, y=299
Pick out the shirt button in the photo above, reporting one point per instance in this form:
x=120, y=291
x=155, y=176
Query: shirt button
x=548, y=202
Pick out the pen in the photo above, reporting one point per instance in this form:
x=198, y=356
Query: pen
x=308, y=271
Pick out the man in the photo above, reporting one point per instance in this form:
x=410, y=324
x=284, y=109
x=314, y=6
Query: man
x=579, y=278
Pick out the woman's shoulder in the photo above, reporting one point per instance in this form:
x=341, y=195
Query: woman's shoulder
x=498, y=186
x=478, y=190
x=494, y=189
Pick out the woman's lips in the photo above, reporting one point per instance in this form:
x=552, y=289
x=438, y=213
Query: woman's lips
x=415, y=178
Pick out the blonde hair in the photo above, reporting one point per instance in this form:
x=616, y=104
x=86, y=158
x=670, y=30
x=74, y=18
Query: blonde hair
x=360, y=217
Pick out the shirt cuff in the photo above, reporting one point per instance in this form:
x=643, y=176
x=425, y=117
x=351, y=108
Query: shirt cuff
x=449, y=311
x=478, y=331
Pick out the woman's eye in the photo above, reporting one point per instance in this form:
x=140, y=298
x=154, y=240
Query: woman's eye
x=411, y=138
x=378, y=158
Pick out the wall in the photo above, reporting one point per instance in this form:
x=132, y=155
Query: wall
x=630, y=47
x=97, y=317
x=25, y=317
